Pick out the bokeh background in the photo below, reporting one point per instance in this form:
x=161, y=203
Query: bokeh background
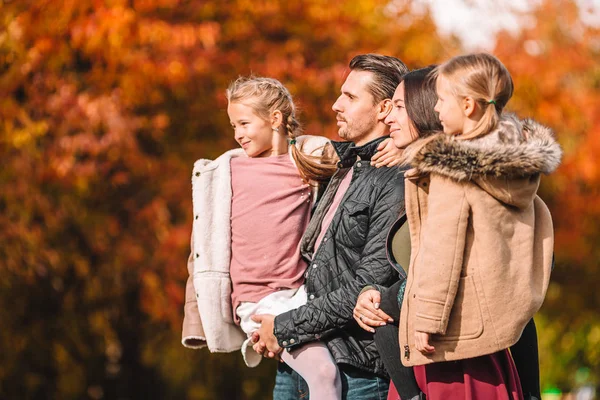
x=105, y=105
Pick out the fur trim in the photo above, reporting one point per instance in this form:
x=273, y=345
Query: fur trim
x=512, y=149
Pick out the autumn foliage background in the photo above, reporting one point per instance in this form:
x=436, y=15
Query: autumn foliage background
x=105, y=105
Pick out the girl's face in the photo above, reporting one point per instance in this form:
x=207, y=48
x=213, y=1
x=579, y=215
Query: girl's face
x=253, y=133
x=449, y=108
x=402, y=130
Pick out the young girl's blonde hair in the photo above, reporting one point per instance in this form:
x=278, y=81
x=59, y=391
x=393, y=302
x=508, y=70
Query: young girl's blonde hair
x=266, y=95
x=485, y=79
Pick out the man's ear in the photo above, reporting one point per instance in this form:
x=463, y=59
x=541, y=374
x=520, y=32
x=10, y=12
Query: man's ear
x=383, y=109
x=469, y=106
x=276, y=119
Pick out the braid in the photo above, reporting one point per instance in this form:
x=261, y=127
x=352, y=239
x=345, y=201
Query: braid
x=266, y=95
x=292, y=126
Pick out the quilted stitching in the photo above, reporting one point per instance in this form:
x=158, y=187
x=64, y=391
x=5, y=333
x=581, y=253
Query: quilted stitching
x=352, y=256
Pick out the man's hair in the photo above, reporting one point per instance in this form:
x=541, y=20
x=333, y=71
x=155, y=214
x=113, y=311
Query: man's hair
x=387, y=73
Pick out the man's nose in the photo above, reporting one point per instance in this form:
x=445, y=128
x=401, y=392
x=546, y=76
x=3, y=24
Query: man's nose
x=337, y=106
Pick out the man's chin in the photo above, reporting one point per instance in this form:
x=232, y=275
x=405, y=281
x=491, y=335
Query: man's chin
x=343, y=133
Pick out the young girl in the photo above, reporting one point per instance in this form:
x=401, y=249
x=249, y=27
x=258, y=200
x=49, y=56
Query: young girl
x=251, y=208
x=481, y=238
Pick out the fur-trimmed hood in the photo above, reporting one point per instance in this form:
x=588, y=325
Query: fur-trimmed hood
x=515, y=151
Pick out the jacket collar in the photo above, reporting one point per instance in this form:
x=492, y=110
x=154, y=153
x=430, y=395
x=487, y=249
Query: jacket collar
x=513, y=149
x=348, y=151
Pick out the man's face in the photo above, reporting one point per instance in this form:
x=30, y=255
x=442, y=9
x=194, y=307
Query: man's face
x=356, y=109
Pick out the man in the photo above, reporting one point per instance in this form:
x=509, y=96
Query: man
x=345, y=240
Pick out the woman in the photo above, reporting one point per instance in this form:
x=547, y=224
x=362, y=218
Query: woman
x=412, y=117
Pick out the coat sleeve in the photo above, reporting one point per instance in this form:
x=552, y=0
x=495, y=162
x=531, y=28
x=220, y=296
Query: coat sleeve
x=441, y=254
x=192, y=335
x=334, y=310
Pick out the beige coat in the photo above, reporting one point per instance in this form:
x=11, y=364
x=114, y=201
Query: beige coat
x=208, y=315
x=482, y=240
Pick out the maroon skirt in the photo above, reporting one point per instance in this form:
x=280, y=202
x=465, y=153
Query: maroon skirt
x=491, y=377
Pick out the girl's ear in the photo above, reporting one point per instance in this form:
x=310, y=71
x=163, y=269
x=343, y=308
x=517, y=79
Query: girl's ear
x=276, y=119
x=468, y=106
x=384, y=109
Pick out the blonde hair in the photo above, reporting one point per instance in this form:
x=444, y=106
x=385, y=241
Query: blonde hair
x=266, y=95
x=485, y=79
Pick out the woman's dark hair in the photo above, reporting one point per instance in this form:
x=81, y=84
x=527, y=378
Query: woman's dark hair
x=419, y=99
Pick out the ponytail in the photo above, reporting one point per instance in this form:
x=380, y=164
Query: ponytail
x=484, y=78
x=489, y=120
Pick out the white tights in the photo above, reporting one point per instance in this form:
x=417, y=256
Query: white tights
x=316, y=365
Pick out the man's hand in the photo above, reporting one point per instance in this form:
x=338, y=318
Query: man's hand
x=388, y=155
x=422, y=343
x=267, y=344
x=367, y=313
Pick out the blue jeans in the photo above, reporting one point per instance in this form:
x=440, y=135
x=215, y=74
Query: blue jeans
x=356, y=385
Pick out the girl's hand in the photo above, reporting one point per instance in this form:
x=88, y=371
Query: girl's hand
x=422, y=343
x=387, y=154
x=367, y=313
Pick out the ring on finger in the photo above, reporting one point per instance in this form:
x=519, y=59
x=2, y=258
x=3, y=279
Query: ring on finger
x=361, y=318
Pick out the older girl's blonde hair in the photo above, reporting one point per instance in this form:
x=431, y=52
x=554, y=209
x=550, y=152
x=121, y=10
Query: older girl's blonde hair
x=485, y=79
x=267, y=95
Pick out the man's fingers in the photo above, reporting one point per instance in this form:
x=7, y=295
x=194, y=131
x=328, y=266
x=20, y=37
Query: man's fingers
x=258, y=349
x=257, y=318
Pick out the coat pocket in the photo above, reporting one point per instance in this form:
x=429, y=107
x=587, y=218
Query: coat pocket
x=355, y=222
x=466, y=321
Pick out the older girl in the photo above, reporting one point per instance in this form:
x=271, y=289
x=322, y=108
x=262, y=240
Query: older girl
x=481, y=238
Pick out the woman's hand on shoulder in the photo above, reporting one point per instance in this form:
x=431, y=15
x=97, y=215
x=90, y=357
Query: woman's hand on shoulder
x=367, y=313
x=388, y=155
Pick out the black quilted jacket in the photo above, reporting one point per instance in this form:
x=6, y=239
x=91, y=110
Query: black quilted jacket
x=351, y=256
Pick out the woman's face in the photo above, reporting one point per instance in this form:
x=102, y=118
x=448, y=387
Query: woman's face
x=402, y=130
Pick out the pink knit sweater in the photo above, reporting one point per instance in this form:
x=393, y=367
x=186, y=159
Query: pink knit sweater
x=269, y=213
